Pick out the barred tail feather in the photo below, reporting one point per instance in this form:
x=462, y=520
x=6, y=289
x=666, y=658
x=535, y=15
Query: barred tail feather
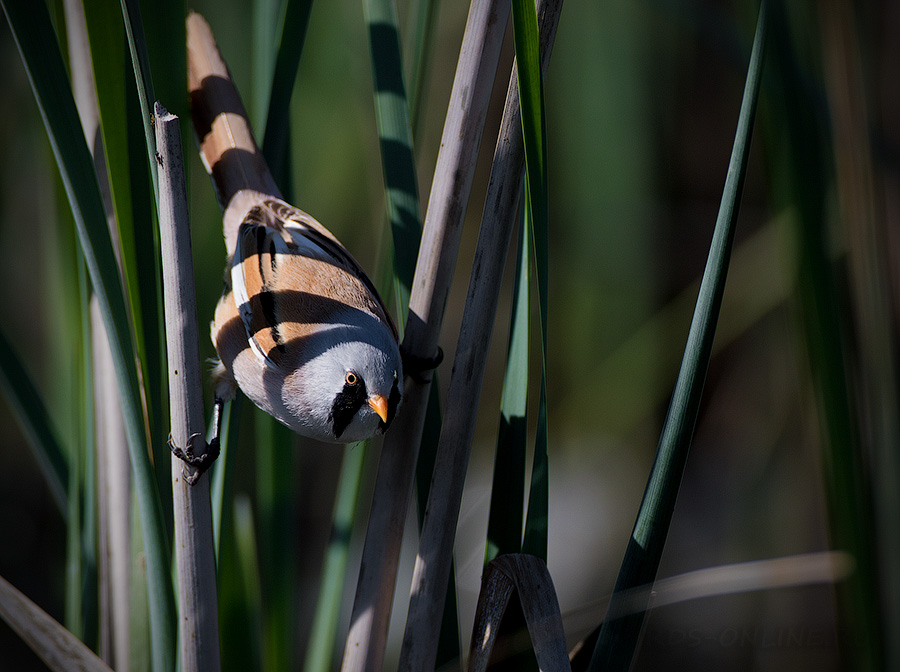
x=227, y=146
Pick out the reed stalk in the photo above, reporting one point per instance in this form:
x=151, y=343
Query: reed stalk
x=194, y=549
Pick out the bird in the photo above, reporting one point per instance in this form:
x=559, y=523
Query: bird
x=300, y=328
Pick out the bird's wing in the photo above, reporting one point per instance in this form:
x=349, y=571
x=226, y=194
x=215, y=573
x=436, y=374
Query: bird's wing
x=305, y=229
x=289, y=279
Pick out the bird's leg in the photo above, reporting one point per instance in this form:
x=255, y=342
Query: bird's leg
x=204, y=461
x=418, y=368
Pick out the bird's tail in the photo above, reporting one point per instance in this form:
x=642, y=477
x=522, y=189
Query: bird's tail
x=227, y=146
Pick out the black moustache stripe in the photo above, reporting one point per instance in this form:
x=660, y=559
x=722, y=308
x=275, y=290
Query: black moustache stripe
x=346, y=405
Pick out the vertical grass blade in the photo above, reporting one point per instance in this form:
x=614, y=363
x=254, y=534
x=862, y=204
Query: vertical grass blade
x=276, y=538
x=276, y=140
x=322, y=636
x=508, y=487
x=140, y=62
x=102, y=415
x=223, y=470
x=619, y=633
x=80, y=528
x=100, y=90
x=531, y=102
x=36, y=42
x=401, y=191
x=140, y=638
x=420, y=31
x=131, y=196
x=249, y=572
x=159, y=74
x=537, y=519
x=264, y=18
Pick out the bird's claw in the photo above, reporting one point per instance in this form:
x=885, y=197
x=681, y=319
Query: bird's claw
x=201, y=462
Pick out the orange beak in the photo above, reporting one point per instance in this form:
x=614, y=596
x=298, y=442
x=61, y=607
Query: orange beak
x=380, y=405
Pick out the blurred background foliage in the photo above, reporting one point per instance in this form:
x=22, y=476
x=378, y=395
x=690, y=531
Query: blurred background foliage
x=642, y=100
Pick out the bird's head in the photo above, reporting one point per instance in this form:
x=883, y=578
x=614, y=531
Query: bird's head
x=350, y=388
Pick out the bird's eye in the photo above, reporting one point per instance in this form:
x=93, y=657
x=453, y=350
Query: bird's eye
x=351, y=378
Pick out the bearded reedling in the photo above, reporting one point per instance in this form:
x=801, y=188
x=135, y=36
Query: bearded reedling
x=300, y=328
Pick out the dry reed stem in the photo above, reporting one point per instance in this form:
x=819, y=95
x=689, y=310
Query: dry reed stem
x=194, y=551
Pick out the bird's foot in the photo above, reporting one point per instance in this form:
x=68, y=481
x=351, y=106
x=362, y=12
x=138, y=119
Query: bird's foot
x=201, y=462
